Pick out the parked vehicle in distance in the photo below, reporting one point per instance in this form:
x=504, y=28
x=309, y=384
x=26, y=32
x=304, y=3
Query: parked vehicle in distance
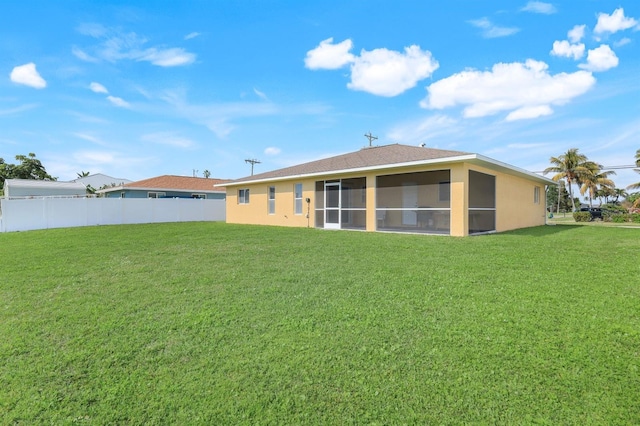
x=596, y=212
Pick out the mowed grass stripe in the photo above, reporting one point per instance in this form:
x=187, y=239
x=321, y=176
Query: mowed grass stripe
x=210, y=322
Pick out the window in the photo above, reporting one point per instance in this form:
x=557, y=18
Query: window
x=156, y=194
x=272, y=200
x=297, y=190
x=444, y=191
x=243, y=196
x=536, y=195
x=199, y=196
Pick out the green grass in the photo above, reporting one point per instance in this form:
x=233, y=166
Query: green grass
x=210, y=323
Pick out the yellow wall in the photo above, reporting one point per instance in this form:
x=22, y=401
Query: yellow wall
x=256, y=212
x=514, y=200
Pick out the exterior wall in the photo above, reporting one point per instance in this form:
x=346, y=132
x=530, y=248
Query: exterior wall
x=514, y=199
x=257, y=210
x=515, y=207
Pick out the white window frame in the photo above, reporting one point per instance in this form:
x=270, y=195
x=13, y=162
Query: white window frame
x=243, y=196
x=297, y=201
x=271, y=200
x=156, y=194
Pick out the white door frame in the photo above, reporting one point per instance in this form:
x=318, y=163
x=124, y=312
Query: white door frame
x=328, y=209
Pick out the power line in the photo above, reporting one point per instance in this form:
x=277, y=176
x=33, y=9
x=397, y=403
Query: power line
x=632, y=166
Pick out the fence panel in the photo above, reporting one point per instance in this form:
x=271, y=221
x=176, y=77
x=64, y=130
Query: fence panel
x=43, y=213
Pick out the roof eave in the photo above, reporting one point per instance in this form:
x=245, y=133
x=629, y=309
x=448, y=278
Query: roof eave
x=472, y=158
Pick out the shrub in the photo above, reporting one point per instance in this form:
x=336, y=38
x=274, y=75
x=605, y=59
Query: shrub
x=582, y=216
x=635, y=217
x=620, y=218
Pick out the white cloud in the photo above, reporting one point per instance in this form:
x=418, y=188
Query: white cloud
x=191, y=35
x=94, y=157
x=82, y=55
x=17, y=110
x=260, y=94
x=565, y=49
x=540, y=7
x=118, y=102
x=89, y=138
x=216, y=117
x=92, y=29
x=614, y=22
x=116, y=45
x=166, y=58
x=600, y=59
x=424, y=130
x=28, y=75
x=576, y=33
x=526, y=90
x=622, y=42
x=491, y=30
x=168, y=138
x=386, y=72
x=529, y=112
x=272, y=150
x=329, y=56
x=98, y=88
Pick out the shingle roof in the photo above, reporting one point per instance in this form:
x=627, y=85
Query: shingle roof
x=168, y=182
x=366, y=157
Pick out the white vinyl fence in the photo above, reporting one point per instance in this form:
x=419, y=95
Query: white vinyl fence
x=42, y=213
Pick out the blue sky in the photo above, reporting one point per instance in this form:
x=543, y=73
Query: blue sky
x=139, y=89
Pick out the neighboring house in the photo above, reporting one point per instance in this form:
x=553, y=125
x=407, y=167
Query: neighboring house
x=396, y=188
x=99, y=180
x=16, y=188
x=169, y=186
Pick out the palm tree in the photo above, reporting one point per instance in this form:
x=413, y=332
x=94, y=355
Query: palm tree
x=636, y=185
x=206, y=174
x=593, y=179
x=83, y=174
x=619, y=193
x=569, y=166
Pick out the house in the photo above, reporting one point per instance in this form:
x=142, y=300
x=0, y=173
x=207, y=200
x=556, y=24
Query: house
x=99, y=180
x=168, y=186
x=24, y=188
x=396, y=188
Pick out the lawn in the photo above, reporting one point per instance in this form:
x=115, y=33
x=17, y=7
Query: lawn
x=211, y=323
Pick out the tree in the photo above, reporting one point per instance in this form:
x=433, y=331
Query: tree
x=594, y=179
x=29, y=168
x=569, y=166
x=619, y=193
x=83, y=174
x=558, y=203
x=206, y=174
x=636, y=185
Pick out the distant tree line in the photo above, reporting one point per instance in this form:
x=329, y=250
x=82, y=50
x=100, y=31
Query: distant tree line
x=573, y=168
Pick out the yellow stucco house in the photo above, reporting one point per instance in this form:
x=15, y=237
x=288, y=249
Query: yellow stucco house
x=395, y=188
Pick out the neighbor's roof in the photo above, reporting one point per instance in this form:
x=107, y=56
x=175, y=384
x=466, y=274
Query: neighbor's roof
x=173, y=183
x=43, y=184
x=381, y=157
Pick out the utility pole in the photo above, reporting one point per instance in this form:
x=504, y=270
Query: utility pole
x=370, y=137
x=252, y=161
